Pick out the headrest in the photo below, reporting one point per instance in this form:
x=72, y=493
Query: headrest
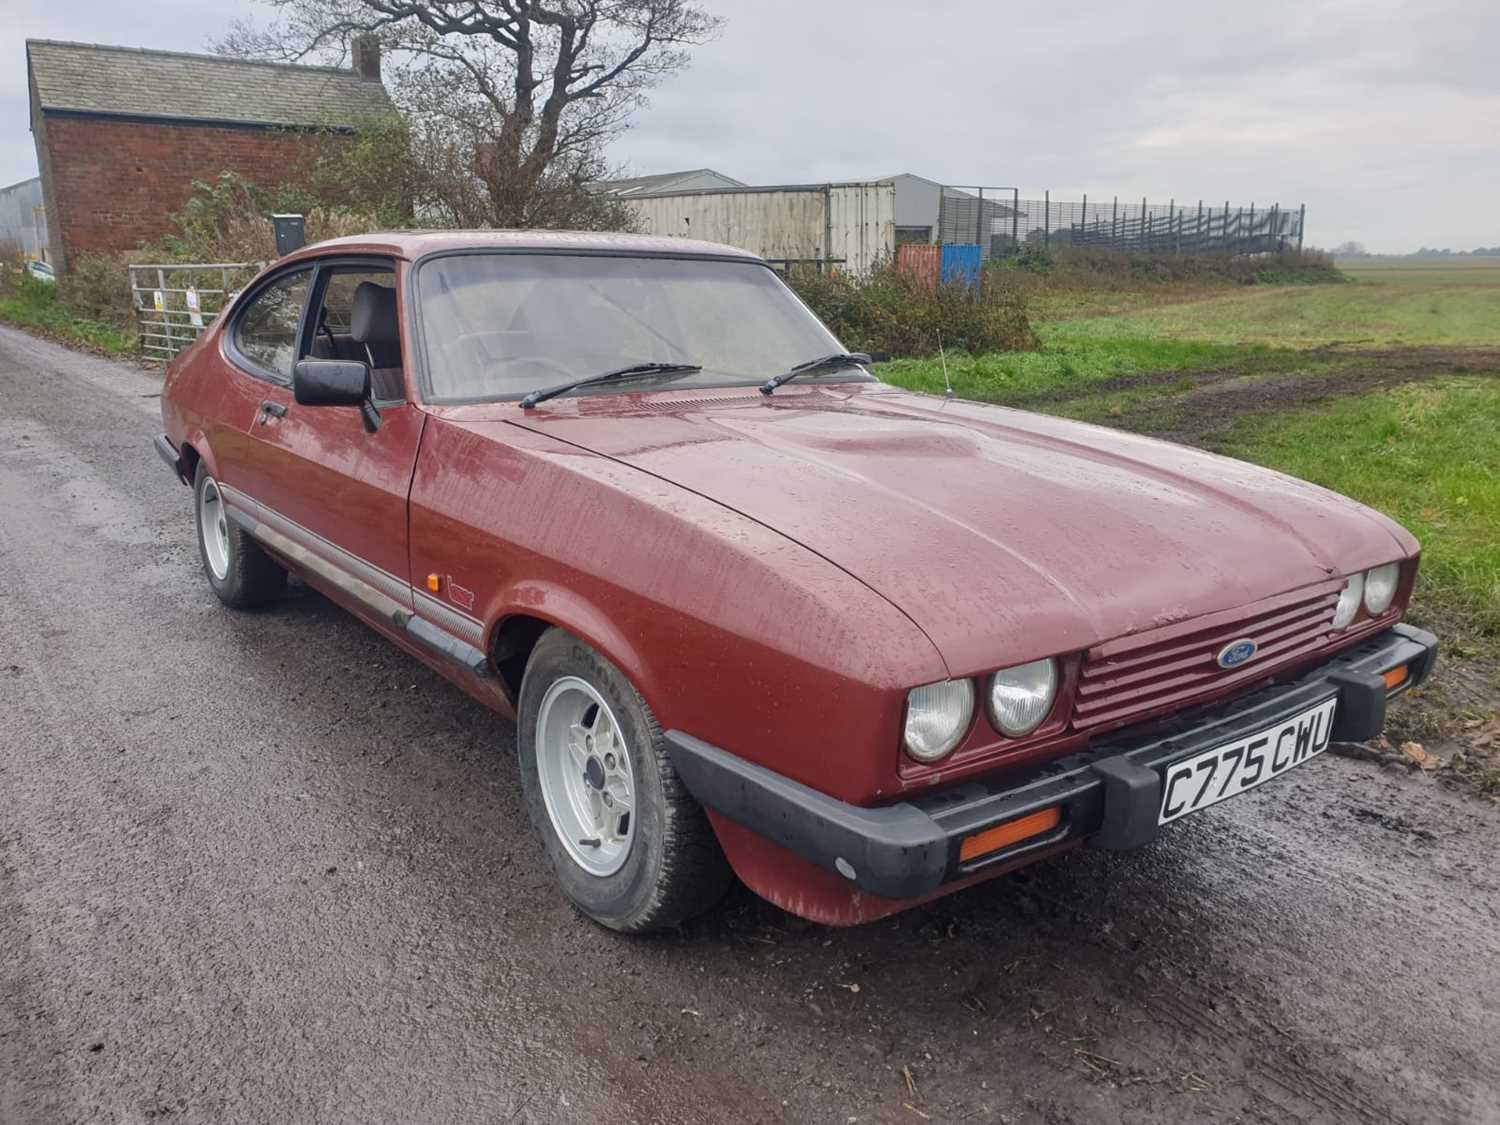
x=373, y=320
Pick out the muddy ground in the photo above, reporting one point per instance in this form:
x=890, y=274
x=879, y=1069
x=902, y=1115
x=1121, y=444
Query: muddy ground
x=266, y=868
x=1200, y=407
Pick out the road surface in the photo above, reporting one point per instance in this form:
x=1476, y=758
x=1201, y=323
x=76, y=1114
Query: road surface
x=265, y=868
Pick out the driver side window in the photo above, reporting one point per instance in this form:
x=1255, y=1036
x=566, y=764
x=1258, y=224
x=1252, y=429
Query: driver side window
x=355, y=319
x=266, y=333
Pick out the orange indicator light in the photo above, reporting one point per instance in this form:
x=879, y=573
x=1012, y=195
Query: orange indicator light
x=1011, y=832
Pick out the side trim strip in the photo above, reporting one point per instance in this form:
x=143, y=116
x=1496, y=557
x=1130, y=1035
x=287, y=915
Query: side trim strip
x=366, y=594
x=426, y=633
x=449, y=636
x=459, y=624
x=388, y=584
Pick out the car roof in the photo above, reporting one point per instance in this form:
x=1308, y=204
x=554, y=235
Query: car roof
x=415, y=243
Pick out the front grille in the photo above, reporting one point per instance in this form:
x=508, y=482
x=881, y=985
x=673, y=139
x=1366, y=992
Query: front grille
x=1175, y=665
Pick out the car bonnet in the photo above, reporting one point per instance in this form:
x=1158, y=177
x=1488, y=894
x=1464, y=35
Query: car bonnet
x=1004, y=535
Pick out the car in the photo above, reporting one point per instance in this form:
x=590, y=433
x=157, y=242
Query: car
x=40, y=270
x=753, y=610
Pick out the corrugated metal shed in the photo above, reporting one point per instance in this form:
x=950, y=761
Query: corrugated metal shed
x=851, y=222
x=696, y=179
x=23, y=219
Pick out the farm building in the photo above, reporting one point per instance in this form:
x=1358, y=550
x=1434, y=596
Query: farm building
x=927, y=211
x=698, y=179
x=121, y=132
x=23, y=220
x=851, y=225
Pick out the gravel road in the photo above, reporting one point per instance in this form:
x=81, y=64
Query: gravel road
x=265, y=868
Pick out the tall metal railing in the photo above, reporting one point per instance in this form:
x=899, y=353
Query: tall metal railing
x=174, y=302
x=988, y=217
x=1001, y=222
x=1160, y=228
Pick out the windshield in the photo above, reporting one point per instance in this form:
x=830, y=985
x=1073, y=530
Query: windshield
x=500, y=325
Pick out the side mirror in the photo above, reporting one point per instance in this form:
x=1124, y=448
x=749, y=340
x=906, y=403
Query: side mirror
x=330, y=382
x=880, y=357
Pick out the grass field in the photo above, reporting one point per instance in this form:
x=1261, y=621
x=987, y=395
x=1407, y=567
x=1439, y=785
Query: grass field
x=1428, y=453
x=1386, y=388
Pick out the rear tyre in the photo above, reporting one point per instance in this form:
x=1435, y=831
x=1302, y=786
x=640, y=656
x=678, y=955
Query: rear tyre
x=241, y=574
x=630, y=848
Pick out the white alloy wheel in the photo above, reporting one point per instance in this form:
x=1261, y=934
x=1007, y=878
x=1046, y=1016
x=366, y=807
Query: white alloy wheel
x=213, y=526
x=583, y=766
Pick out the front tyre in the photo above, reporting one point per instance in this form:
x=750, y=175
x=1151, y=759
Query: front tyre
x=630, y=848
x=240, y=572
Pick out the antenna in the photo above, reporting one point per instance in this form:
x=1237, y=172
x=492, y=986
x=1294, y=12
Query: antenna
x=944, y=360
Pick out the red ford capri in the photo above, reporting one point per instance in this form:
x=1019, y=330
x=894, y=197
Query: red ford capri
x=753, y=610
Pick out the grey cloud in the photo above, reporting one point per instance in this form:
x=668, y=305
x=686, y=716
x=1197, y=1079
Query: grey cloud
x=1380, y=114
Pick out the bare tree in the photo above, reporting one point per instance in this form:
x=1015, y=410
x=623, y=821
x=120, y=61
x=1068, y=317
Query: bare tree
x=518, y=95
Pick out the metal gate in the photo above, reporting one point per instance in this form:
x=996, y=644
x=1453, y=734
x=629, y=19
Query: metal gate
x=175, y=302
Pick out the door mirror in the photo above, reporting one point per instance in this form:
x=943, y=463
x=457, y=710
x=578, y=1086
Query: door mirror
x=331, y=382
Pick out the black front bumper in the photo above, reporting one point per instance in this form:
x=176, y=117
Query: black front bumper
x=1111, y=793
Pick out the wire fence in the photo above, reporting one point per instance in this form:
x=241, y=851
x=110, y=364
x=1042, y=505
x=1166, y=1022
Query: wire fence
x=988, y=217
x=1002, y=223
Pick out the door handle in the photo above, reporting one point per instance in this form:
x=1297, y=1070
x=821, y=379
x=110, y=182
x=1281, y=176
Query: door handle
x=274, y=409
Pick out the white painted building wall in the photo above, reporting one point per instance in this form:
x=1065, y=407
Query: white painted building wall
x=855, y=222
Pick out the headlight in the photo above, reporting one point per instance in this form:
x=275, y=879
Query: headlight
x=936, y=717
x=1021, y=697
x=1380, y=588
x=1349, y=598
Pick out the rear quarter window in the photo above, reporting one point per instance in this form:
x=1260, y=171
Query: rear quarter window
x=266, y=331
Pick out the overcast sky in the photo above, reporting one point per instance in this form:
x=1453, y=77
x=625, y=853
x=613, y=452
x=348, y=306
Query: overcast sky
x=1383, y=116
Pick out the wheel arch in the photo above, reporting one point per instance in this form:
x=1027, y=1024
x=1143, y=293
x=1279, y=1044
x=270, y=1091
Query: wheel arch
x=533, y=609
x=511, y=641
x=194, y=448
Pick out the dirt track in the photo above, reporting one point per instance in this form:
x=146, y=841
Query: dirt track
x=265, y=868
x=1201, y=407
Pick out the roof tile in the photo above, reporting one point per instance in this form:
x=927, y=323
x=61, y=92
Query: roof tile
x=89, y=78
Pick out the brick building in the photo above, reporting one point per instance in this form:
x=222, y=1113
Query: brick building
x=121, y=133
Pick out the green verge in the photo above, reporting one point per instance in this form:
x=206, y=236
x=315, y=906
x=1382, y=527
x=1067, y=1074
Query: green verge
x=1426, y=455
x=1182, y=330
x=34, y=306
x=1074, y=356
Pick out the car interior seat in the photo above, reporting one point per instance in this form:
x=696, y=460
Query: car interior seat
x=373, y=326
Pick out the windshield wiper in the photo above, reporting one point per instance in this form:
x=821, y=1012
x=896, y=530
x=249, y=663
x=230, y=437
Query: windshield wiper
x=837, y=359
x=544, y=393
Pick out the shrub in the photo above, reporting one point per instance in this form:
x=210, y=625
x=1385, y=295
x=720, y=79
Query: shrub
x=97, y=286
x=1083, y=267
x=29, y=290
x=892, y=311
x=228, y=220
x=1032, y=259
x=1310, y=267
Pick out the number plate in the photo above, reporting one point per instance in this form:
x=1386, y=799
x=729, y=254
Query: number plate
x=1226, y=771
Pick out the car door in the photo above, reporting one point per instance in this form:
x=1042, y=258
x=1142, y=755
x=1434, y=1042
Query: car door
x=315, y=473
